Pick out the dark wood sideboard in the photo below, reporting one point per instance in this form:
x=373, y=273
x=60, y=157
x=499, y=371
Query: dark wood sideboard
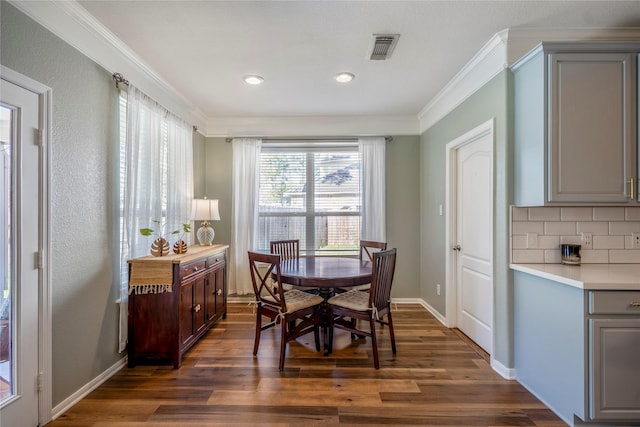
x=173, y=301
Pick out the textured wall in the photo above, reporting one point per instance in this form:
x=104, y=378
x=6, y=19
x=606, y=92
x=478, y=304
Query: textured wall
x=84, y=143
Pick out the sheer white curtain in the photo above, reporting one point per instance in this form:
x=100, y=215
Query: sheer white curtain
x=157, y=180
x=372, y=177
x=244, y=211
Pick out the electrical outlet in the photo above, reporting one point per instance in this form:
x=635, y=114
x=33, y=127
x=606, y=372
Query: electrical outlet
x=635, y=240
x=532, y=240
x=438, y=289
x=587, y=240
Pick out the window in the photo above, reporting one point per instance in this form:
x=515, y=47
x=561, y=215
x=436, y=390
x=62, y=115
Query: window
x=310, y=192
x=156, y=179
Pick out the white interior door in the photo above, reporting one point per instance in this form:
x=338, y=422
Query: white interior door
x=472, y=240
x=20, y=225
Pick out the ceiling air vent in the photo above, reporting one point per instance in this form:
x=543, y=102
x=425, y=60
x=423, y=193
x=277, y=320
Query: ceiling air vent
x=382, y=46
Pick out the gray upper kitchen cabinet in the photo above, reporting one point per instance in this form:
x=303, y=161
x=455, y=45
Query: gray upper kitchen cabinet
x=575, y=124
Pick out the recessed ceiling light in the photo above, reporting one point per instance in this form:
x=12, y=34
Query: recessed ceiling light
x=253, y=80
x=344, y=77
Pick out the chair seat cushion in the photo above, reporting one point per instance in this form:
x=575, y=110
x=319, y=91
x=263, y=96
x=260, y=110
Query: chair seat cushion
x=358, y=288
x=353, y=300
x=298, y=300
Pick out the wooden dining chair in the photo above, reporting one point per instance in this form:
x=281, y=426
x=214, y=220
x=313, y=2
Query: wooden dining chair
x=367, y=249
x=280, y=306
x=371, y=306
x=289, y=249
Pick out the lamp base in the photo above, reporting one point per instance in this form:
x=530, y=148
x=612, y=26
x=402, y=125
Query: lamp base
x=205, y=235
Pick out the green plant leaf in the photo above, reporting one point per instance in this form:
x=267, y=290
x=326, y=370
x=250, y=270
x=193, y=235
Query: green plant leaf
x=146, y=231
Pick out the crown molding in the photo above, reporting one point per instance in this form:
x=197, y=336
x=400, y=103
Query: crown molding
x=500, y=52
x=485, y=65
x=74, y=25
x=311, y=126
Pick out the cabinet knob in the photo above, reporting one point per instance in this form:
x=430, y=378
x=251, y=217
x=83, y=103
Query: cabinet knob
x=635, y=304
x=196, y=308
x=195, y=268
x=219, y=292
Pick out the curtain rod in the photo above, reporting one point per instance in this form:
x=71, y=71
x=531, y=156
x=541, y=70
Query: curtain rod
x=342, y=139
x=119, y=78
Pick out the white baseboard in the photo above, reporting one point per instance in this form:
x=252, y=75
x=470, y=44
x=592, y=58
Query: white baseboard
x=433, y=311
x=506, y=373
x=66, y=404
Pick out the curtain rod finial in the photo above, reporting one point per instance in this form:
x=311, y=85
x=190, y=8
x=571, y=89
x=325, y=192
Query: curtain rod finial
x=119, y=78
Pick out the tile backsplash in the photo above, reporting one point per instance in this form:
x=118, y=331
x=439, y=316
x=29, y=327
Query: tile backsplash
x=536, y=234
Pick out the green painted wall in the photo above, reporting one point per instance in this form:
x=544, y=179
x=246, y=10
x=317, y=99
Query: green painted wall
x=402, y=178
x=199, y=165
x=219, y=160
x=83, y=192
x=492, y=101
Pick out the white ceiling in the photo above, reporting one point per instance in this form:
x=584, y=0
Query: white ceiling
x=202, y=49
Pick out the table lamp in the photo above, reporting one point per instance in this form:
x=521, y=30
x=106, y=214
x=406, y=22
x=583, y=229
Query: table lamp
x=205, y=210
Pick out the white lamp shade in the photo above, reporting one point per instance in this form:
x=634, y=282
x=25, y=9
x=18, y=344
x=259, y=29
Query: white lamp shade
x=205, y=210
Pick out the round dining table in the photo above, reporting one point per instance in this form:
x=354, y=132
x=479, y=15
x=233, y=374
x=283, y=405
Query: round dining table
x=326, y=273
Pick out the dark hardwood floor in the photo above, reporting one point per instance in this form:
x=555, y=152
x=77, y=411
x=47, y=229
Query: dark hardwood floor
x=437, y=378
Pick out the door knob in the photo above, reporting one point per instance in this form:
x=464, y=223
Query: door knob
x=456, y=248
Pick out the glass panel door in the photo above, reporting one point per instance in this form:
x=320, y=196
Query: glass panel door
x=20, y=254
x=7, y=291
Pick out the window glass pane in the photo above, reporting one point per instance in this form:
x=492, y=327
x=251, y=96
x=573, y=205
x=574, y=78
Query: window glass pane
x=337, y=182
x=124, y=267
x=283, y=182
x=337, y=235
x=310, y=193
x=281, y=228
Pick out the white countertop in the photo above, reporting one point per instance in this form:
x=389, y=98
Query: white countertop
x=621, y=277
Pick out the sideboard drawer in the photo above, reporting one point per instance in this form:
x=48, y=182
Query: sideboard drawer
x=193, y=267
x=614, y=302
x=215, y=260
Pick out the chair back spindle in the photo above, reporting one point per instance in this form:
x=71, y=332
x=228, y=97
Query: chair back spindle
x=287, y=249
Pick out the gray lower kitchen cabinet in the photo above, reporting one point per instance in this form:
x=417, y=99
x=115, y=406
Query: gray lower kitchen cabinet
x=575, y=124
x=614, y=355
x=578, y=350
